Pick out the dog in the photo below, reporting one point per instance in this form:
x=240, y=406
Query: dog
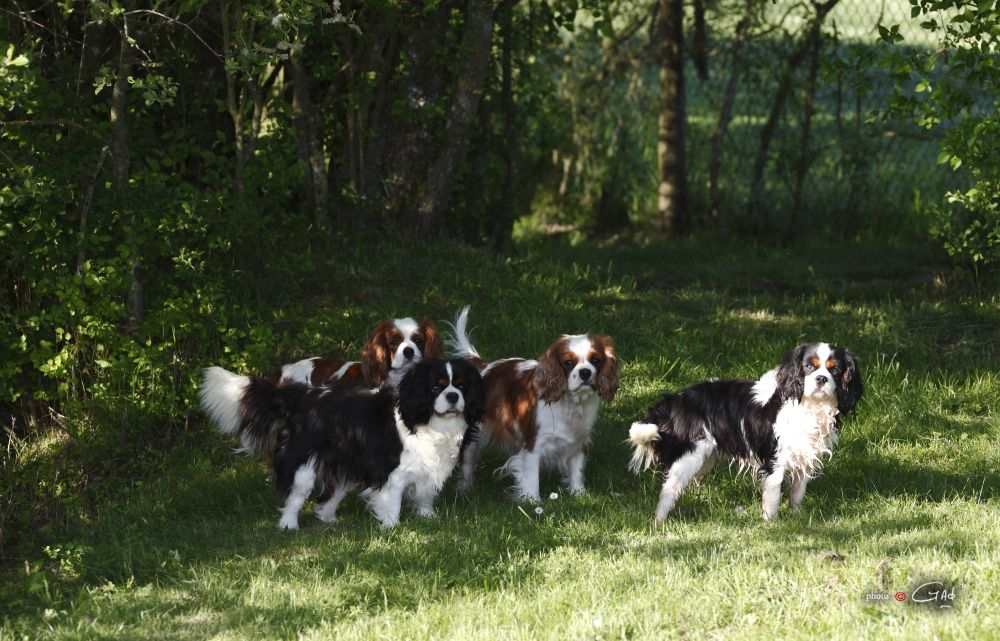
x=388, y=443
x=392, y=347
x=780, y=426
x=542, y=411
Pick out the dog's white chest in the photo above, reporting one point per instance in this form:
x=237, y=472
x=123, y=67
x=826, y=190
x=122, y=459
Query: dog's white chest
x=806, y=432
x=567, y=423
x=433, y=451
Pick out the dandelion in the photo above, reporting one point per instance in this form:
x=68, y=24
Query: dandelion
x=554, y=496
x=539, y=510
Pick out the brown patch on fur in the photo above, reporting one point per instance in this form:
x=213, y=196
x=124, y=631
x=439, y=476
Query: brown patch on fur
x=550, y=376
x=510, y=405
x=352, y=374
x=831, y=363
x=606, y=382
x=376, y=357
x=323, y=370
x=433, y=346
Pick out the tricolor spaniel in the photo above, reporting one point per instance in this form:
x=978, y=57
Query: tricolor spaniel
x=541, y=411
x=394, y=345
x=328, y=441
x=780, y=426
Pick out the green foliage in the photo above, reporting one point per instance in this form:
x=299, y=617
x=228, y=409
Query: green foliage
x=952, y=92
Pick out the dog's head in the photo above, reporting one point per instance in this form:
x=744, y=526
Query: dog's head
x=398, y=344
x=585, y=362
x=820, y=371
x=441, y=388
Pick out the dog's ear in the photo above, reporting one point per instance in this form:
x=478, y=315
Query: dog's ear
x=475, y=392
x=849, y=387
x=376, y=359
x=606, y=382
x=416, y=402
x=433, y=346
x=791, y=374
x=550, y=377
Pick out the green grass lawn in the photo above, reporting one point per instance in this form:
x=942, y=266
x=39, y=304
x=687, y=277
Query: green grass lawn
x=192, y=551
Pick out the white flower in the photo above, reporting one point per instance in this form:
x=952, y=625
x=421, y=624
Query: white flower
x=598, y=622
x=277, y=20
x=539, y=510
x=554, y=496
x=741, y=511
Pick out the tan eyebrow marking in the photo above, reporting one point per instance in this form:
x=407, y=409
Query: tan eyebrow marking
x=814, y=361
x=831, y=363
x=443, y=382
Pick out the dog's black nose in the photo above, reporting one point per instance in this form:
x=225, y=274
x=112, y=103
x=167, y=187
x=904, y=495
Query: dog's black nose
x=407, y=353
x=585, y=374
x=821, y=380
x=452, y=397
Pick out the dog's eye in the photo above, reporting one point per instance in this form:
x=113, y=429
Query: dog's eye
x=835, y=370
x=394, y=342
x=809, y=367
x=419, y=342
x=596, y=362
x=436, y=389
x=569, y=364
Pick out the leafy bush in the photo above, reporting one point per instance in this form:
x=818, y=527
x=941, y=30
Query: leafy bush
x=951, y=92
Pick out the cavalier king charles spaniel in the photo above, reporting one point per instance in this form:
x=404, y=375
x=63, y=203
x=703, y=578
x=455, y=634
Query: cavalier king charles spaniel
x=394, y=345
x=388, y=443
x=780, y=426
x=543, y=411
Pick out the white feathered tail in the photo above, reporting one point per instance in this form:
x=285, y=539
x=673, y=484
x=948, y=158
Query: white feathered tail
x=459, y=344
x=643, y=437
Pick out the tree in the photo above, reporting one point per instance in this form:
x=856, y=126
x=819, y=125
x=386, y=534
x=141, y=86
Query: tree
x=952, y=91
x=672, y=188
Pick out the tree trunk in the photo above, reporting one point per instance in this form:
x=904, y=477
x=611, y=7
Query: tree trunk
x=312, y=158
x=699, y=46
x=716, y=211
x=504, y=223
x=229, y=21
x=672, y=192
x=237, y=98
x=120, y=171
x=468, y=91
x=777, y=106
x=805, y=161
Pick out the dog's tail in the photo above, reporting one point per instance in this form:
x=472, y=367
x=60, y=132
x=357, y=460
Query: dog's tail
x=252, y=408
x=643, y=437
x=459, y=344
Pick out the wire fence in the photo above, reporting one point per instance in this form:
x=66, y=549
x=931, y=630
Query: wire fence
x=806, y=141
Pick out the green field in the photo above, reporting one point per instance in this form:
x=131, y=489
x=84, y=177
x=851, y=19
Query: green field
x=191, y=551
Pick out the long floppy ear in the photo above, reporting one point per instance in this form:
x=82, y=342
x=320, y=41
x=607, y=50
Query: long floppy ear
x=375, y=358
x=550, y=377
x=606, y=382
x=433, y=346
x=416, y=403
x=790, y=374
x=849, y=388
x=475, y=393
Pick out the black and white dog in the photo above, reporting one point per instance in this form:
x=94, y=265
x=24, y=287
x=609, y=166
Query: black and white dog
x=388, y=443
x=780, y=426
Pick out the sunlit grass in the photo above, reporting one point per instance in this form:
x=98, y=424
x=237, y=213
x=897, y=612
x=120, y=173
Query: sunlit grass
x=911, y=494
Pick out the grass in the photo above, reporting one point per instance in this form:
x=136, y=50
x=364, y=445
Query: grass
x=192, y=552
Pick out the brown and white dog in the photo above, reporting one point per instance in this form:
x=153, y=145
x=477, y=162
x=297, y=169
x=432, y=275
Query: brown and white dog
x=394, y=345
x=542, y=412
